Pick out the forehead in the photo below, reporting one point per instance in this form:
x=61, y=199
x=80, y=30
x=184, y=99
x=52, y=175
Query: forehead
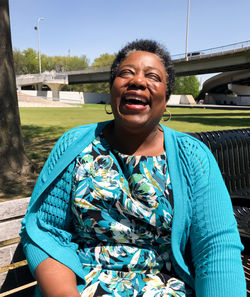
x=142, y=58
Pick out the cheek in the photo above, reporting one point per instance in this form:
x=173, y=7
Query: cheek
x=114, y=98
x=115, y=92
x=160, y=94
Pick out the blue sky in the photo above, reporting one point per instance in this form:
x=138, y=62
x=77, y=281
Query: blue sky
x=94, y=27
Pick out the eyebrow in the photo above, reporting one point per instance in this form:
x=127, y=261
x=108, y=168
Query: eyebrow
x=154, y=68
x=147, y=67
x=127, y=65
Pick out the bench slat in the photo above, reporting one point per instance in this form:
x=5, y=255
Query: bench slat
x=6, y=254
x=2, y=278
x=13, y=208
x=10, y=229
x=21, y=288
x=15, y=278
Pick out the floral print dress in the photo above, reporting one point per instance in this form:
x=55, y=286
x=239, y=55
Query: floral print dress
x=122, y=209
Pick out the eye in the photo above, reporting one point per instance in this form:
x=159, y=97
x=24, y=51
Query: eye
x=153, y=76
x=125, y=73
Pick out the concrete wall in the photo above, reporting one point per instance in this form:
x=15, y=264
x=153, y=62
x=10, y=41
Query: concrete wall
x=239, y=89
x=94, y=98
x=222, y=99
x=244, y=100
x=181, y=99
x=72, y=97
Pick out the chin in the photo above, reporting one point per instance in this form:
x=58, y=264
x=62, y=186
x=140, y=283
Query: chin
x=135, y=123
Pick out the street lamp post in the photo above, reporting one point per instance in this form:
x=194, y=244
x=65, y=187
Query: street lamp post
x=187, y=28
x=38, y=34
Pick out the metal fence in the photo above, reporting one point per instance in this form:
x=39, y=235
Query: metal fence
x=215, y=50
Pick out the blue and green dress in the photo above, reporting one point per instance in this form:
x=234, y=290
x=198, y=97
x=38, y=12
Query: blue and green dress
x=122, y=208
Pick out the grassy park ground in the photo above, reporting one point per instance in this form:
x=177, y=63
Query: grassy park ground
x=41, y=127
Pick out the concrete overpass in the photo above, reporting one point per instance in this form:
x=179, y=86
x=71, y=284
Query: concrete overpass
x=219, y=83
x=231, y=87
x=221, y=59
x=230, y=60
x=52, y=79
x=199, y=64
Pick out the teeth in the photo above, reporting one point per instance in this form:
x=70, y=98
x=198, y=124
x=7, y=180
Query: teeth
x=136, y=100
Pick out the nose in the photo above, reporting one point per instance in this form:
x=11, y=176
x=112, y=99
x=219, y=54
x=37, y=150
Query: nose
x=138, y=81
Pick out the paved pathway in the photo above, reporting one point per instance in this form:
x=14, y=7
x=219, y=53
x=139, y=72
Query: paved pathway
x=32, y=101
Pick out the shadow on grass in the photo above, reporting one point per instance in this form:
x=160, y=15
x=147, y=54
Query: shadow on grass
x=37, y=131
x=236, y=120
x=222, y=114
x=39, y=141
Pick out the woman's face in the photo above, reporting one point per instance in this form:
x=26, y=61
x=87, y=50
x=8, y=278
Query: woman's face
x=138, y=94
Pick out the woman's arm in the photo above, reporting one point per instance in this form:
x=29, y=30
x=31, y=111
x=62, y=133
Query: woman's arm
x=48, y=237
x=56, y=279
x=215, y=241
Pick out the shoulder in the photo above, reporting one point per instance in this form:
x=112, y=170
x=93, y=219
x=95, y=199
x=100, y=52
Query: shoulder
x=195, y=157
x=72, y=141
x=77, y=134
x=186, y=142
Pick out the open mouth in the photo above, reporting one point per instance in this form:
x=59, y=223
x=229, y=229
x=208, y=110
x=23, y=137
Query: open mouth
x=135, y=101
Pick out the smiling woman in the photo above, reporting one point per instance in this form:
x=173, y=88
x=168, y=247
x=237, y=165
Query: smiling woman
x=129, y=207
x=138, y=100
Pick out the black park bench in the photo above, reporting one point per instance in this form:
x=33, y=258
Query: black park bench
x=231, y=149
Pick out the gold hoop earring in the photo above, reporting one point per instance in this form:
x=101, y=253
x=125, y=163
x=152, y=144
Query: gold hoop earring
x=107, y=112
x=169, y=116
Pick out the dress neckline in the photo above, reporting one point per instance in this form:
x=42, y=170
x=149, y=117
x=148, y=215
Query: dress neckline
x=122, y=155
x=125, y=156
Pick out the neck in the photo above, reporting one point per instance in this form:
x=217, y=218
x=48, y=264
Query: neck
x=149, y=142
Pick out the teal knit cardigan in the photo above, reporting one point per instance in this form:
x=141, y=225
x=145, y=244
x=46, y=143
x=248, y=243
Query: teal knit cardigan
x=205, y=241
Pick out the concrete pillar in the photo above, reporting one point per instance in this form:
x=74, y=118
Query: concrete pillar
x=55, y=88
x=38, y=87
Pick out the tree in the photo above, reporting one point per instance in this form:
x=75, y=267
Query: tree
x=31, y=61
x=14, y=165
x=76, y=63
x=19, y=61
x=26, y=62
x=63, y=63
x=187, y=85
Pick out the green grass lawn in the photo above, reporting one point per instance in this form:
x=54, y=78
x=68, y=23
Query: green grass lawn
x=41, y=127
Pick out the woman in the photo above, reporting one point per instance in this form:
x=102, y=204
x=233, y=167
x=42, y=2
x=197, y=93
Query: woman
x=130, y=207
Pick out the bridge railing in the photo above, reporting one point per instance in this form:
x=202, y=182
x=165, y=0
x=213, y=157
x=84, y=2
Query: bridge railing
x=215, y=50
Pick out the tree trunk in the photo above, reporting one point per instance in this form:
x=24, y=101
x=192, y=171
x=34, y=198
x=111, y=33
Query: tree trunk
x=14, y=165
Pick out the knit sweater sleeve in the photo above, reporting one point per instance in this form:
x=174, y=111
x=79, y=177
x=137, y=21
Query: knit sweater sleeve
x=34, y=254
x=47, y=230
x=214, y=238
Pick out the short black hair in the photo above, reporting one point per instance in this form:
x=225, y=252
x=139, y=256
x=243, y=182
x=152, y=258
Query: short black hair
x=150, y=46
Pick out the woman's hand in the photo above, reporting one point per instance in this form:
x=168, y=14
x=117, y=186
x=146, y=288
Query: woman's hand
x=56, y=279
